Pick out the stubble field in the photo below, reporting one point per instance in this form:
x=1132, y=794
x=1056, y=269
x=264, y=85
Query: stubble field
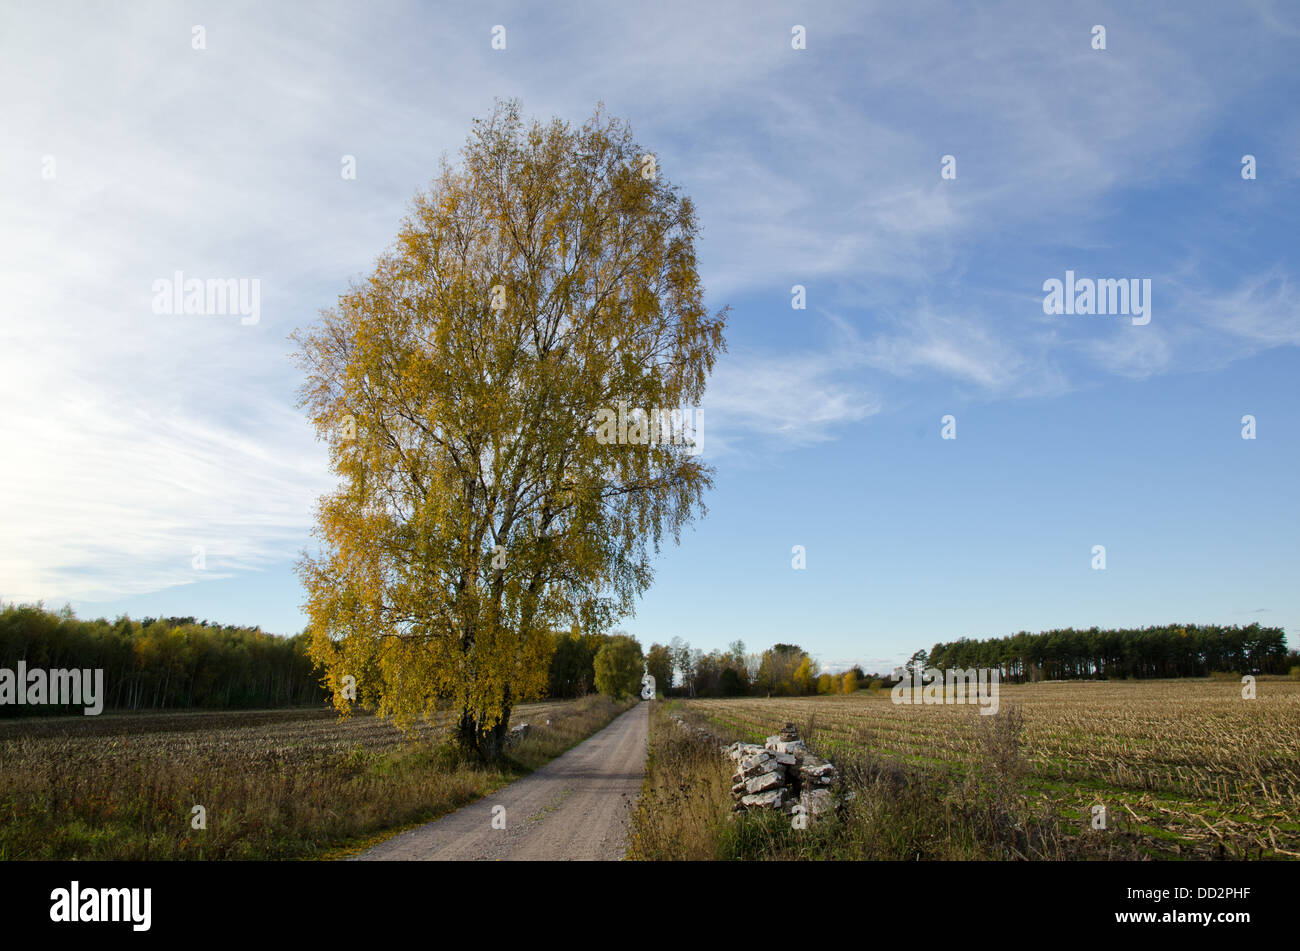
x=1185, y=768
x=272, y=784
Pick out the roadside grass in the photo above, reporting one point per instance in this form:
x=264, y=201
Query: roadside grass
x=131, y=796
x=685, y=798
x=1193, y=768
x=898, y=810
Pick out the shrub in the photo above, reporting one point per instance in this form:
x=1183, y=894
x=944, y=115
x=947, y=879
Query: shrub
x=805, y=678
x=618, y=667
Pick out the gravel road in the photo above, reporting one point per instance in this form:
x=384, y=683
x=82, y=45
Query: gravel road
x=575, y=807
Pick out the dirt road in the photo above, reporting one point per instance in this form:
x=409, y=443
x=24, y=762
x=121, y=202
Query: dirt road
x=575, y=807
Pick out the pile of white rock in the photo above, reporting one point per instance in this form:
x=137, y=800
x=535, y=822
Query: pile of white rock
x=782, y=774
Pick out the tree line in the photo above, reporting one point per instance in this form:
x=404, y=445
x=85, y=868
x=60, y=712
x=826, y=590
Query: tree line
x=1174, y=650
x=171, y=663
x=583, y=663
x=179, y=662
x=783, y=670
x=161, y=663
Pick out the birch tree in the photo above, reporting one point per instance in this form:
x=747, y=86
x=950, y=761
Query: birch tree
x=540, y=283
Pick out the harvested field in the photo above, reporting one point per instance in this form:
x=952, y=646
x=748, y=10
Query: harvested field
x=272, y=784
x=1188, y=767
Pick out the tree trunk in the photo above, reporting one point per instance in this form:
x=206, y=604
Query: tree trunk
x=485, y=742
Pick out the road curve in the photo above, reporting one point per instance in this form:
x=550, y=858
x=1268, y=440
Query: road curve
x=576, y=807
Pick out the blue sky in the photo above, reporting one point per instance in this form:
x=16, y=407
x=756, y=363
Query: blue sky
x=130, y=437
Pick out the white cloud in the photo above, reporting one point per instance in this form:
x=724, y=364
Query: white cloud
x=98, y=500
x=780, y=402
x=1263, y=310
x=130, y=436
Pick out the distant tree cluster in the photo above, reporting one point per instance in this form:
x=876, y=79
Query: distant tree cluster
x=573, y=665
x=1175, y=650
x=619, y=667
x=784, y=670
x=161, y=663
x=580, y=664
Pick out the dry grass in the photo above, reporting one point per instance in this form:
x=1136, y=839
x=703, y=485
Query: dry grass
x=275, y=784
x=894, y=812
x=685, y=798
x=1186, y=767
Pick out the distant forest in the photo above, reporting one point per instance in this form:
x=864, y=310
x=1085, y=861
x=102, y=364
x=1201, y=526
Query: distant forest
x=1176, y=650
x=178, y=662
x=161, y=663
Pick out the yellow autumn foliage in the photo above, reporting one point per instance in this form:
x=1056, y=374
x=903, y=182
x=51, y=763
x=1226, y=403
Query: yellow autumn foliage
x=539, y=283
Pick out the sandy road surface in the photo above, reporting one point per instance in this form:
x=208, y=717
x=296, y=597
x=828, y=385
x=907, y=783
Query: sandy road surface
x=574, y=807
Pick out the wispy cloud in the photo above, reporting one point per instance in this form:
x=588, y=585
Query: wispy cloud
x=131, y=436
x=1262, y=311
x=777, y=403
x=100, y=502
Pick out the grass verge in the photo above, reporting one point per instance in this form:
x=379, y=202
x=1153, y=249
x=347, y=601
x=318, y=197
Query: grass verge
x=898, y=811
x=135, y=800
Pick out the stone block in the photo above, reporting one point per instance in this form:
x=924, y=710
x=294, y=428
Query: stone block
x=764, y=782
x=772, y=799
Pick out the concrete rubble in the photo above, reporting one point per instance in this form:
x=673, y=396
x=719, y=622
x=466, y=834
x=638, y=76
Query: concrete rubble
x=782, y=774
